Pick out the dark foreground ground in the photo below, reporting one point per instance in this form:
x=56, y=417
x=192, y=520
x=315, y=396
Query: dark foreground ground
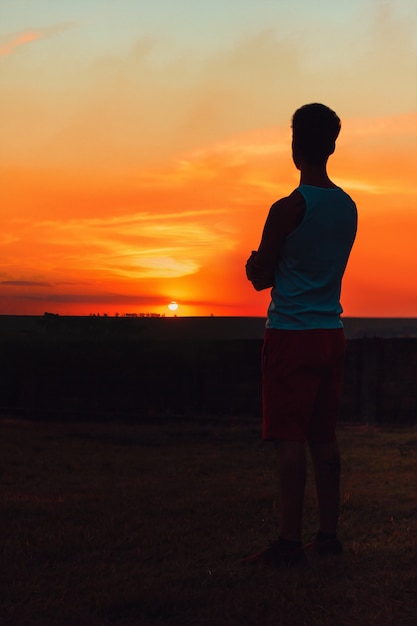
x=144, y=524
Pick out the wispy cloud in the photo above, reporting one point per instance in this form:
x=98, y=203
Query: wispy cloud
x=24, y=283
x=138, y=246
x=96, y=298
x=16, y=40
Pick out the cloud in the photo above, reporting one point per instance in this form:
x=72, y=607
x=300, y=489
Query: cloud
x=90, y=298
x=12, y=42
x=24, y=283
x=138, y=246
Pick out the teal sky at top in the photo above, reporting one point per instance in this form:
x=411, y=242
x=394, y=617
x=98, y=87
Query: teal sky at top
x=358, y=55
x=196, y=26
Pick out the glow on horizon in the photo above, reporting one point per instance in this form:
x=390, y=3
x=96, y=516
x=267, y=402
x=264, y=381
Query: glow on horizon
x=144, y=149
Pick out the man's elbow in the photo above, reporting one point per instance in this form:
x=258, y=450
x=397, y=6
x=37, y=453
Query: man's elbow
x=261, y=284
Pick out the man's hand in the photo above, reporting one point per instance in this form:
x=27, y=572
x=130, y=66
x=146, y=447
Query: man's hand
x=257, y=276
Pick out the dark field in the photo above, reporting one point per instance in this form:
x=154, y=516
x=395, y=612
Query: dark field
x=143, y=525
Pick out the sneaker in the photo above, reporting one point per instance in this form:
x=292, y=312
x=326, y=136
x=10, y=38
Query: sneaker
x=274, y=556
x=324, y=546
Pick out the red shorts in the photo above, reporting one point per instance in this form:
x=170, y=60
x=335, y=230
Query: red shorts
x=302, y=377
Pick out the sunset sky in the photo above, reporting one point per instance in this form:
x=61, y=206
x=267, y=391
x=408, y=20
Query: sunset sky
x=142, y=144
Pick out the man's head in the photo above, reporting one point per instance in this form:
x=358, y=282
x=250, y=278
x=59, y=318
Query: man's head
x=315, y=130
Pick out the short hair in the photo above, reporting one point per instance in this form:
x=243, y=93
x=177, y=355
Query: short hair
x=315, y=130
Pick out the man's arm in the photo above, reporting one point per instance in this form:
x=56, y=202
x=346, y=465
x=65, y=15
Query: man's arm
x=284, y=216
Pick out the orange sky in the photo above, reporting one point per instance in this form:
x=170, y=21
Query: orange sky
x=128, y=181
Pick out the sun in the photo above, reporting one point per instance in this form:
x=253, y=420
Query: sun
x=173, y=306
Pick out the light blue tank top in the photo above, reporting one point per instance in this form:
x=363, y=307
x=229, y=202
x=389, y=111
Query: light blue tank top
x=313, y=258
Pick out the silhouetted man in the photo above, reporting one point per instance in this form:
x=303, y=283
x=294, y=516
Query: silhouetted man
x=305, y=246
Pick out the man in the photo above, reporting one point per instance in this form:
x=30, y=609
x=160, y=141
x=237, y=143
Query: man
x=305, y=246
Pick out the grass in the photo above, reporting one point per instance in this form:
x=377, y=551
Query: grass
x=143, y=524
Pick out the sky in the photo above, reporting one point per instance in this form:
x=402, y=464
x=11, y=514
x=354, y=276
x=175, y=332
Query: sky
x=143, y=143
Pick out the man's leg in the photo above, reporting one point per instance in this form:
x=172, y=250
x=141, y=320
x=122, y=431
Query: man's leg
x=291, y=482
x=326, y=461
x=287, y=550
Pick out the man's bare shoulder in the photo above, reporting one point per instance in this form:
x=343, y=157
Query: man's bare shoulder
x=291, y=209
x=293, y=202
